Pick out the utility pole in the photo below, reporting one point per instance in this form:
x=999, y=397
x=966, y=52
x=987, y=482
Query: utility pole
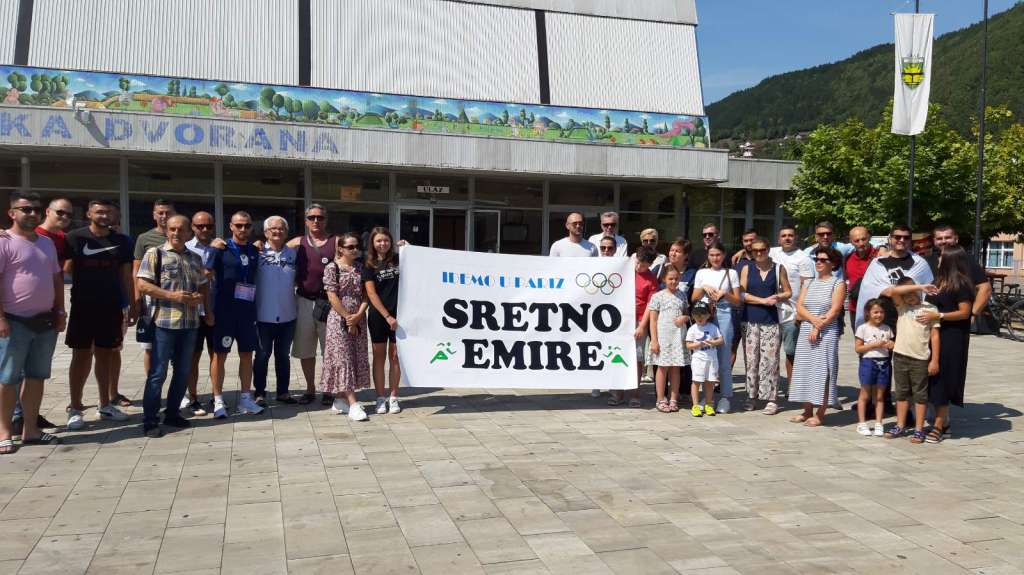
x=978, y=240
x=913, y=154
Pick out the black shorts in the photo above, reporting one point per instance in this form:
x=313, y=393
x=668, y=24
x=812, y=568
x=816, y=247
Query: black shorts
x=380, y=331
x=204, y=337
x=94, y=326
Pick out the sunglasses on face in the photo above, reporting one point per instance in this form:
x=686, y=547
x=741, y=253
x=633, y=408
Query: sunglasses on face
x=315, y=218
x=29, y=209
x=203, y=227
x=823, y=260
x=241, y=226
x=709, y=234
x=901, y=238
x=575, y=223
x=350, y=247
x=649, y=241
x=607, y=248
x=607, y=224
x=823, y=233
x=62, y=213
x=758, y=251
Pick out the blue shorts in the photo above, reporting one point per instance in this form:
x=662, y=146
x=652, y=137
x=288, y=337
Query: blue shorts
x=874, y=371
x=235, y=324
x=25, y=354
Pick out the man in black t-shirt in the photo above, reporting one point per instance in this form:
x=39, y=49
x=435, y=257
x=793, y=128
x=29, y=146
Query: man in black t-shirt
x=709, y=236
x=944, y=236
x=100, y=264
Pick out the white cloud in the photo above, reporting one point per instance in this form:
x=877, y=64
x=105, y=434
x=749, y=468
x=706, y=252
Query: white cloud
x=440, y=101
x=138, y=83
x=238, y=86
x=602, y=112
x=562, y=115
x=474, y=110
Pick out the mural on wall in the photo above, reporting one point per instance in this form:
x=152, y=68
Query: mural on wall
x=344, y=108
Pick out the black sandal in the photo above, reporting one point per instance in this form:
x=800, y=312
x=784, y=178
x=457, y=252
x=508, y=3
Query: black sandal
x=307, y=398
x=326, y=399
x=43, y=439
x=935, y=435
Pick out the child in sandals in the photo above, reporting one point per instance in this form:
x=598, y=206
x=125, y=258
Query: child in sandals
x=667, y=320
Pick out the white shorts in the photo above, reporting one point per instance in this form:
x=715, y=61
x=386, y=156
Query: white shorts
x=704, y=368
x=308, y=331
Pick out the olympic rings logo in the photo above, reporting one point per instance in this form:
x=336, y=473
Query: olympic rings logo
x=599, y=282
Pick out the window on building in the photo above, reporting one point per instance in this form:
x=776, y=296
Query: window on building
x=330, y=186
x=644, y=206
x=74, y=175
x=509, y=193
x=171, y=178
x=1000, y=255
x=562, y=193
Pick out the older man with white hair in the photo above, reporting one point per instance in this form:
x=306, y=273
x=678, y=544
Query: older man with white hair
x=609, y=227
x=276, y=309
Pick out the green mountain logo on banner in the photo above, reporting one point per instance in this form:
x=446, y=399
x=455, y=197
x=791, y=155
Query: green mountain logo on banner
x=444, y=353
x=615, y=355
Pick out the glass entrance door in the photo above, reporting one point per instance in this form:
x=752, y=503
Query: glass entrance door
x=487, y=231
x=433, y=227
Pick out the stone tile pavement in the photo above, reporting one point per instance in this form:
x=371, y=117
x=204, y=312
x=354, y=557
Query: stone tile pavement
x=522, y=482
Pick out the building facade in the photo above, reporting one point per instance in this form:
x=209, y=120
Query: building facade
x=462, y=125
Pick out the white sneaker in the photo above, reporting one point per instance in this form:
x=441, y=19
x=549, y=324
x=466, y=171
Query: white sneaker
x=863, y=429
x=110, y=411
x=357, y=413
x=595, y=393
x=75, y=420
x=246, y=404
x=393, y=406
x=382, y=405
x=879, y=430
x=184, y=402
x=340, y=406
x=723, y=405
x=220, y=411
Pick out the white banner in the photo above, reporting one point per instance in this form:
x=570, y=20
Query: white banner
x=913, y=73
x=479, y=320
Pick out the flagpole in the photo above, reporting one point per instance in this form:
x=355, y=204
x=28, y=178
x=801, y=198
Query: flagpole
x=981, y=136
x=913, y=154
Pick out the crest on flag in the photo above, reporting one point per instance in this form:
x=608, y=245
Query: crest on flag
x=913, y=71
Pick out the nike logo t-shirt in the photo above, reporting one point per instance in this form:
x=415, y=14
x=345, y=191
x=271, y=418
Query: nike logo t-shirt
x=96, y=267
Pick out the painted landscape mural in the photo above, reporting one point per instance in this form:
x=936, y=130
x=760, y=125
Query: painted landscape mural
x=23, y=86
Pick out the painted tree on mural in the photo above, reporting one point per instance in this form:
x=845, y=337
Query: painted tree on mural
x=310, y=110
x=124, y=84
x=18, y=81
x=174, y=88
x=504, y=117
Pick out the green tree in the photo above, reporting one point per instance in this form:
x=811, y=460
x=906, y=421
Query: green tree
x=310, y=109
x=504, y=117
x=607, y=122
x=18, y=81
x=533, y=118
x=267, y=98
x=855, y=175
x=645, y=126
x=295, y=107
x=288, y=106
x=124, y=84
x=278, y=103
x=463, y=118
x=192, y=92
x=229, y=100
x=222, y=90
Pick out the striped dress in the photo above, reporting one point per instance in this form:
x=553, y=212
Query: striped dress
x=816, y=366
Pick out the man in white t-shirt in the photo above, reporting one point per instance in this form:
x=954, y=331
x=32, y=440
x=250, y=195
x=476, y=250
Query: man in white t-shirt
x=799, y=268
x=609, y=227
x=573, y=246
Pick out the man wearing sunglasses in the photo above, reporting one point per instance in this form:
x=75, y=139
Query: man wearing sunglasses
x=609, y=227
x=205, y=246
x=234, y=307
x=709, y=234
x=825, y=237
x=573, y=245
x=313, y=251
x=887, y=271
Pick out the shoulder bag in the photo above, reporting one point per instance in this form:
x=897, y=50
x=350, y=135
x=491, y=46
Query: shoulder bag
x=145, y=328
x=322, y=305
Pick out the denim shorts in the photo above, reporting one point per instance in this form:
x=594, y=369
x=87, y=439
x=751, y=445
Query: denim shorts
x=25, y=354
x=790, y=332
x=874, y=371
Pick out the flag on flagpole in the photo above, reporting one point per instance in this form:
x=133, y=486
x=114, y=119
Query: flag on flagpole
x=913, y=73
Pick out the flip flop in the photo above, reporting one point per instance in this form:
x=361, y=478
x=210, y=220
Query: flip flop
x=7, y=447
x=615, y=401
x=43, y=439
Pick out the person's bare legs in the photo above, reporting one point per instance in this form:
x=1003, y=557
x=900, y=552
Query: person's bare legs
x=245, y=370
x=115, y=373
x=309, y=372
x=673, y=373
x=695, y=392
x=919, y=412
x=8, y=398
x=217, y=373
x=104, y=363
x=78, y=372
x=193, y=377
x=395, y=371
x=31, y=399
x=862, y=403
x=941, y=417
x=660, y=375
x=879, y=403
x=380, y=351
x=709, y=392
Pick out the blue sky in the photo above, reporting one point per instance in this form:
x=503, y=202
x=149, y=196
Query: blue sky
x=741, y=42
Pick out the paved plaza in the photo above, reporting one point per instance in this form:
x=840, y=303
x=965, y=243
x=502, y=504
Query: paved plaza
x=522, y=482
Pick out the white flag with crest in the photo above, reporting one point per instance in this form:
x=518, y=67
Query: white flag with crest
x=913, y=73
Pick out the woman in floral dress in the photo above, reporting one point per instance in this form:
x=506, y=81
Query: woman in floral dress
x=347, y=357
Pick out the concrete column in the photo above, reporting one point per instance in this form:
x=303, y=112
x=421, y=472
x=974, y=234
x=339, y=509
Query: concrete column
x=218, y=197
x=124, y=200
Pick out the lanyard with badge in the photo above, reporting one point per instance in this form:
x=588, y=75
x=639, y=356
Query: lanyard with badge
x=243, y=291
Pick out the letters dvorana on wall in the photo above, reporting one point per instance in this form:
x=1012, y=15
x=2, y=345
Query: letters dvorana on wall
x=25, y=86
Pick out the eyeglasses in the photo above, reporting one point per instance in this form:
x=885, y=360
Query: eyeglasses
x=579, y=223
x=901, y=237
x=28, y=209
x=823, y=260
x=276, y=229
x=607, y=248
x=63, y=213
x=758, y=251
x=315, y=218
x=709, y=234
x=649, y=241
x=607, y=224
x=350, y=247
x=241, y=226
x=203, y=227
x=823, y=233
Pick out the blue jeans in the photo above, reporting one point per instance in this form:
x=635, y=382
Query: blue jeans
x=723, y=317
x=174, y=346
x=274, y=338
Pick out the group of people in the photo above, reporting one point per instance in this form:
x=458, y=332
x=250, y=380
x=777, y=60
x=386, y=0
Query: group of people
x=185, y=290
x=909, y=316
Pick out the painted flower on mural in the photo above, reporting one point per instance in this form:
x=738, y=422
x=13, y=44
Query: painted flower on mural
x=347, y=109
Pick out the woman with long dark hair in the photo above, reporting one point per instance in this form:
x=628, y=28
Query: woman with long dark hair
x=953, y=294
x=719, y=287
x=380, y=279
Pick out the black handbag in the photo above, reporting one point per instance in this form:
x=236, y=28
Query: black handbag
x=145, y=327
x=322, y=305
x=39, y=323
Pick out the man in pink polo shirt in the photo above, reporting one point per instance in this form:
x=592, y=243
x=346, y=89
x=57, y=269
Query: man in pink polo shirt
x=32, y=302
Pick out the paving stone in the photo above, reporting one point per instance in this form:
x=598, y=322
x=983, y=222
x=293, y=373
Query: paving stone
x=64, y=554
x=530, y=516
x=190, y=548
x=494, y=540
x=364, y=511
x=447, y=559
x=466, y=502
x=426, y=525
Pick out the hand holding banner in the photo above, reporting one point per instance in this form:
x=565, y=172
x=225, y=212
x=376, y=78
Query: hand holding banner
x=506, y=321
